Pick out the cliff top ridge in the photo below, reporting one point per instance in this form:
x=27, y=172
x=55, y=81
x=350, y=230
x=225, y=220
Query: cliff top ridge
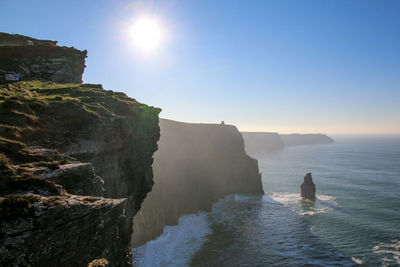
x=7, y=39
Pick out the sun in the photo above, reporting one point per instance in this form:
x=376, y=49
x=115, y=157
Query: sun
x=146, y=34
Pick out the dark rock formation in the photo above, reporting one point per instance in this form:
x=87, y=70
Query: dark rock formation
x=70, y=177
x=63, y=149
x=195, y=165
x=262, y=142
x=24, y=58
x=63, y=230
x=308, y=188
x=305, y=139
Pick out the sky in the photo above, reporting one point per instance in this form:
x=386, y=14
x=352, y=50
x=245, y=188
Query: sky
x=308, y=66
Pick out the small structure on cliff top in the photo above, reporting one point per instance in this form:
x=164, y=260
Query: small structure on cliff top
x=308, y=188
x=26, y=58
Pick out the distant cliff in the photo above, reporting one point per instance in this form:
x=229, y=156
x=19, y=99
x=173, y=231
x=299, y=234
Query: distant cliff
x=305, y=139
x=257, y=143
x=195, y=165
x=262, y=142
x=75, y=166
x=23, y=58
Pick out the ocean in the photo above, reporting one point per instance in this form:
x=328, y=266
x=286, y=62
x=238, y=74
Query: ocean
x=354, y=221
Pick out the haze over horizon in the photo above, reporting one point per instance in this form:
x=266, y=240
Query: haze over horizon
x=278, y=66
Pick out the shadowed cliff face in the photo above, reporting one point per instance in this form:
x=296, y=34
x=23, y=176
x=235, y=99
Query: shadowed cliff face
x=195, y=165
x=63, y=148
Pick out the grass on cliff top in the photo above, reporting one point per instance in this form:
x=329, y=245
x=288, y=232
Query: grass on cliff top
x=92, y=97
x=9, y=38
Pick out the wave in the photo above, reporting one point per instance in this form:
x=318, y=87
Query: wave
x=390, y=251
x=358, y=261
x=177, y=244
x=323, y=203
x=239, y=197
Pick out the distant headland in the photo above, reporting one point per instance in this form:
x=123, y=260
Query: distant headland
x=267, y=142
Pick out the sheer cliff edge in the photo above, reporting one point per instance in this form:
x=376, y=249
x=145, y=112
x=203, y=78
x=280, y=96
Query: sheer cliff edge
x=75, y=166
x=23, y=58
x=195, y=165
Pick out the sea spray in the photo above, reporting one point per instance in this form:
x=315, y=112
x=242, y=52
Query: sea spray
x=322, y=204
x=176, y=245
x=354, y=220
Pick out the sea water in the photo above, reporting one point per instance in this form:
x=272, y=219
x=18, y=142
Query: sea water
x=354, y=221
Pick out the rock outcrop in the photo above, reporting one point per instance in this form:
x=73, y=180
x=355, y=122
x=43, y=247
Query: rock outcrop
x=305, y=139
x=308, y=188
x=75, y=166
x=23, y=58
x=262, y=142
x=195, y=165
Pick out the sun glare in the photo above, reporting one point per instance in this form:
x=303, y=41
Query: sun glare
x=146, y=34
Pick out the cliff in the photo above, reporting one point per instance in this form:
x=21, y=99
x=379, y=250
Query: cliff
x=75, y=166
x=195, y=165
x=305, y=139
x=257, y=143
x=7, y=39
x=262, y=142
x=23, y=58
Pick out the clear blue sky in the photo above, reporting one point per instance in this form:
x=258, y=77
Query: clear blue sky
x=291, y=66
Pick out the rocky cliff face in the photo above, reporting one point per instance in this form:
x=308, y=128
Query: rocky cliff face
x=75, y=166
x=262, y=142
x=24, y=58
x=195, y=165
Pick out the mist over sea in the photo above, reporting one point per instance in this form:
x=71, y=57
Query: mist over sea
x=355, y=220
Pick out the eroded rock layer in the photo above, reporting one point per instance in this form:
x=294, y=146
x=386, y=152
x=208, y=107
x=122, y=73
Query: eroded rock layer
x=75, y=166
x=24, y=58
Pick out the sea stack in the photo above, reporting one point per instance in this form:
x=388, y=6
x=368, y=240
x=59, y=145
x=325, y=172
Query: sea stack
x=308, y=188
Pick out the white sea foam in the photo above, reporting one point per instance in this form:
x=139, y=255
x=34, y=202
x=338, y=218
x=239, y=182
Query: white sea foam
x=358, y=261
x=239, y=197
x=311, y=213
x=286, y=198
x=391, y=252
x=324, y=203
x=177, y=244
x=327, y=199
